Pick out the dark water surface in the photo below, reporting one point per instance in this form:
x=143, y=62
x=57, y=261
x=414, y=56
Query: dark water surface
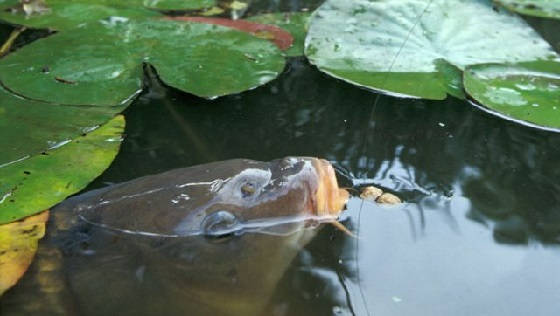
x=478, y=234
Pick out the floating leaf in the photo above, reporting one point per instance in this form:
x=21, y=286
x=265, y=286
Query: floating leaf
x=28, y=128
x=528, y=92
x=102, y=64
x=68, y=15
x=167, y=4
x=38, y=182
x=18, y=244
x=540, y=8
x=295, y=23
x=278, y=36
x=393, y=46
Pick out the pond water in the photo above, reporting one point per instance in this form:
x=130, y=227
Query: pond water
x=478, y=234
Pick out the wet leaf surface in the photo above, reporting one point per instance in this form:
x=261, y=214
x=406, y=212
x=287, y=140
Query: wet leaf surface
x=18, y=244
x=68, y=15
x=392, y=46
x=102, y=64
x=295, y=23
x=28, y=128
x=37, y=182
x=540, y=8
x=528, y=92
x=281, y=38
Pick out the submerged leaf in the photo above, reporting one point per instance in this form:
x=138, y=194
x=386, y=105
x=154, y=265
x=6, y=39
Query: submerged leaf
x=35, y=183
x=528, y=92
x=102, y=64
x=540, y=8
x=295, y=23
x=18, y=244
x=393, y=46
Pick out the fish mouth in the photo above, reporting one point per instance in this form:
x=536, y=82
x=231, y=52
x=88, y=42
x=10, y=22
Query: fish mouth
x=330, y=200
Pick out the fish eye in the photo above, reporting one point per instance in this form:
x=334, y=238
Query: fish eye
x=248, y=189
x=219, y=224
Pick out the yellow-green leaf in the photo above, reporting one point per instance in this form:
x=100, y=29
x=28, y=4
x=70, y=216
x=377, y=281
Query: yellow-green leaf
x=18, y=244
x=36, y=183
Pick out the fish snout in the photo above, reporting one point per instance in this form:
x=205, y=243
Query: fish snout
x=330, y=199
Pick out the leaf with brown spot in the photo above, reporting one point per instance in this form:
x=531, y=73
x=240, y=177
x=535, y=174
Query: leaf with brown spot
x=280, y=37
x=18, y=244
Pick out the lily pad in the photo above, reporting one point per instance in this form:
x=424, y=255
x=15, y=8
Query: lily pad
x=28, y=128
x=540, y=8
x=528, y=92
x=167, y=4
x=35, y=183
x=280, y=37
x=295, y=23
x=68, y=15
x=394, y=46
x=102, y=64
x=18, y=244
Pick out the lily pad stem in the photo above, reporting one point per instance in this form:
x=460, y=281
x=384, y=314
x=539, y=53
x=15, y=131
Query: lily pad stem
x=9, y=42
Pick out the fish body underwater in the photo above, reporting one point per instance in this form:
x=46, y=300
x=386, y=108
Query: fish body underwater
x=212, y=239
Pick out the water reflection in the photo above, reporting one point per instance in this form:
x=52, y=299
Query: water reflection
x=417, y=148
x=451, y=266
x=477, y=236
x=472, y=180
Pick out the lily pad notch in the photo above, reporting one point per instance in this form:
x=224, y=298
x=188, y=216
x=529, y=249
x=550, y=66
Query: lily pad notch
x=101, y=64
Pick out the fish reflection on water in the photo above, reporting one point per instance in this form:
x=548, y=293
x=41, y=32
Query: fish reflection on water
x=212, y=239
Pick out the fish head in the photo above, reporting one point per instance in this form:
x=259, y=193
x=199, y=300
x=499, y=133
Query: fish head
x=264, y=196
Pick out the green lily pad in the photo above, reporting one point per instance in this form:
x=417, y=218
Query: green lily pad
x=28, y=128
x=394, y=46
x=280, y=37
x=36, y=183
x=15, y=8
x=295, y=23
x=102, y=64
x=68, y=15
x=65, y=14
x=528, y=92
x=540, y=8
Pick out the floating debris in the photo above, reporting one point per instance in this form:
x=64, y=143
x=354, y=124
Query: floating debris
x=374, y=194
x=388, y=198
x=371, y=193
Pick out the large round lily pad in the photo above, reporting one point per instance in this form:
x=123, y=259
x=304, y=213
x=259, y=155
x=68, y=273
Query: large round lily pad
x=528, y=92
x=66, y=14
x=540, y=8
x=102, y=64
x=394, y=46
